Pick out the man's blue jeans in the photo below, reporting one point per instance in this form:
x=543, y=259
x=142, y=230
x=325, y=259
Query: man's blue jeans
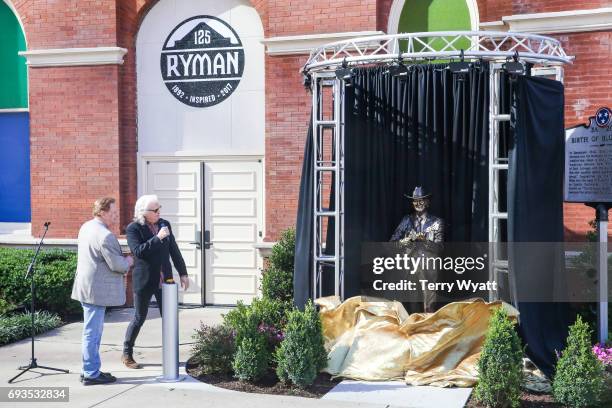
x=93, y=323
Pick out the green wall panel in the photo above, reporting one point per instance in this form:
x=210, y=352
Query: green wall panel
x=435, y=15
x=13, y=71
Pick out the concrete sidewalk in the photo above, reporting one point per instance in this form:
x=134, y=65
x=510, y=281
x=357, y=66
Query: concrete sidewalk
x=61, y=348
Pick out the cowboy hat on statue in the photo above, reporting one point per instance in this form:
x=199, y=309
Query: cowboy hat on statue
x=421, y=227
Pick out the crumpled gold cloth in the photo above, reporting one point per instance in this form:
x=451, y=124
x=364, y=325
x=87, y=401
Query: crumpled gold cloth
x=375, y=339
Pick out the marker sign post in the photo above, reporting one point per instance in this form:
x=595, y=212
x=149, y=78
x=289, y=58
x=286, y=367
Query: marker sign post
x=588, y=179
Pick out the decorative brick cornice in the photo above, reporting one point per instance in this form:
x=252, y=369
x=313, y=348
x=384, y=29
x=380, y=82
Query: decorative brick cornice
x=555, y=22
x=67, y=57
x=303, y=44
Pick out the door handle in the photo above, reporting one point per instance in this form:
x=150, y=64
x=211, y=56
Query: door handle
x=207, y=242
x=197, y=240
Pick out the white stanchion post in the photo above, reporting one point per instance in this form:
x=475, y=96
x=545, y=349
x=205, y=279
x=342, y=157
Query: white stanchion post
x=602, y=268
x=170, y=336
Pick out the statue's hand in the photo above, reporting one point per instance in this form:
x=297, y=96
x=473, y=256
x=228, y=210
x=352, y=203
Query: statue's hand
x=404, y=241
x=420, y=237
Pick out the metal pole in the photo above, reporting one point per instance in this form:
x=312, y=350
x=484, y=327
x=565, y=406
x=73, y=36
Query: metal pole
x=170, y=333
x=315, y=194
x=337, y=193
x=602, y=269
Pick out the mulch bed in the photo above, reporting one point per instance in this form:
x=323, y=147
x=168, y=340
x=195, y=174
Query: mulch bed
x=269, y=384
x=540, y=400
x=528, y=400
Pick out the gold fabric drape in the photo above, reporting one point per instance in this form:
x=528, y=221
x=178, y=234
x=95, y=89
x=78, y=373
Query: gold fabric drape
x=376, y=339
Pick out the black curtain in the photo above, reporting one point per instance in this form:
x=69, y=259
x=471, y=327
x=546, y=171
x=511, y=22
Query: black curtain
x=535, y=215
x=429, y=129
x=302, y=278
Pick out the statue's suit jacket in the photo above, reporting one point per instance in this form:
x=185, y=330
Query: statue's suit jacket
x=433, y=228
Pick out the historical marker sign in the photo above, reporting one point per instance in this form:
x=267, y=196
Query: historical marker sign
x=202, y=61
x=588, y=160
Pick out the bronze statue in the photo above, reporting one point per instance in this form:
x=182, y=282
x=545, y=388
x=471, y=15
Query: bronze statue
x=421, y=234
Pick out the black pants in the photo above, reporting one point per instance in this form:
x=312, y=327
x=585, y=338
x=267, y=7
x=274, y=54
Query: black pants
x=142, y=299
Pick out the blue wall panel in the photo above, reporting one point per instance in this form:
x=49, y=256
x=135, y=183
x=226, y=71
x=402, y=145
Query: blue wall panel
x=15, y=167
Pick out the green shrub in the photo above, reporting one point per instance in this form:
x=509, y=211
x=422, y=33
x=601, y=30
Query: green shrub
x=263, y=315
x=251, y=359
x=17, y=327
x=54, y=276
x=301, y=354
x=214, y=349
x=5, y=307
x=578, y=380
x=277, y=284
x=277, y=279
x=283, y=251
x=500, y=367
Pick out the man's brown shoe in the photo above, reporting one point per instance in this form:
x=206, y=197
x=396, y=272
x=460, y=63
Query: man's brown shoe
x=129, y=362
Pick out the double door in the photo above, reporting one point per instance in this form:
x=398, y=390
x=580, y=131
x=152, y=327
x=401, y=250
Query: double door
x=215, y=211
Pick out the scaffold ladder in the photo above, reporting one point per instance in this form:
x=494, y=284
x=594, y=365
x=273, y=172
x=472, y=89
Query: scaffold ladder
x=328, y=146
x=498, y=264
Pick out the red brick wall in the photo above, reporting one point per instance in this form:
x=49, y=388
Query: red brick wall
x=127, y=23
x=74, y=135
x=287, y=117
x=68, y=23
x=319, y=16
x=73, y=114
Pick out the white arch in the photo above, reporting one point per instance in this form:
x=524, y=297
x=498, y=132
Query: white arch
x=398, y=5
x=14, y=10
x=235, y=126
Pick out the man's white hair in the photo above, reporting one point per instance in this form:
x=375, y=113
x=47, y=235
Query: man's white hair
x=142, y=204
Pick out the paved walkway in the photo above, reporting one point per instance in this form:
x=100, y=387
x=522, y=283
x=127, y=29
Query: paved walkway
x=61, y=348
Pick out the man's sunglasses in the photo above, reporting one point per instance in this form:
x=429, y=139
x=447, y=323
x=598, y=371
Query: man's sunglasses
x=156, y=211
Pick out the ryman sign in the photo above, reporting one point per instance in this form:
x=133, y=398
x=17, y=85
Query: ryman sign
x=202, y=61
x=588, y=160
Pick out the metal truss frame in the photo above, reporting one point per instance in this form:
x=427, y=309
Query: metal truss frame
x=328, y=146
x=545, y=53
x=437, y=45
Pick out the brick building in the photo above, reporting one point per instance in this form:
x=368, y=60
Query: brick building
x=86, y=112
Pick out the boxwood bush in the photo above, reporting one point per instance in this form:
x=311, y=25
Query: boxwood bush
x=500, y=367
x=263, y=316
x=579, y=375
x=258, y=329
x=54, y=276
x=251, y=359
x=301, y=355
x=277, y=279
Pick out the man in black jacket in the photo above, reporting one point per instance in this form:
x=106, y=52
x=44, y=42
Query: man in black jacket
x=152, y=243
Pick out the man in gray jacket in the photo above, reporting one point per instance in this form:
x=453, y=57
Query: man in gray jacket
x=98, y=283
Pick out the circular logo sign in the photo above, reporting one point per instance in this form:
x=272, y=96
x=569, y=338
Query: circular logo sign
x=202, y=61
x=603, y=116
